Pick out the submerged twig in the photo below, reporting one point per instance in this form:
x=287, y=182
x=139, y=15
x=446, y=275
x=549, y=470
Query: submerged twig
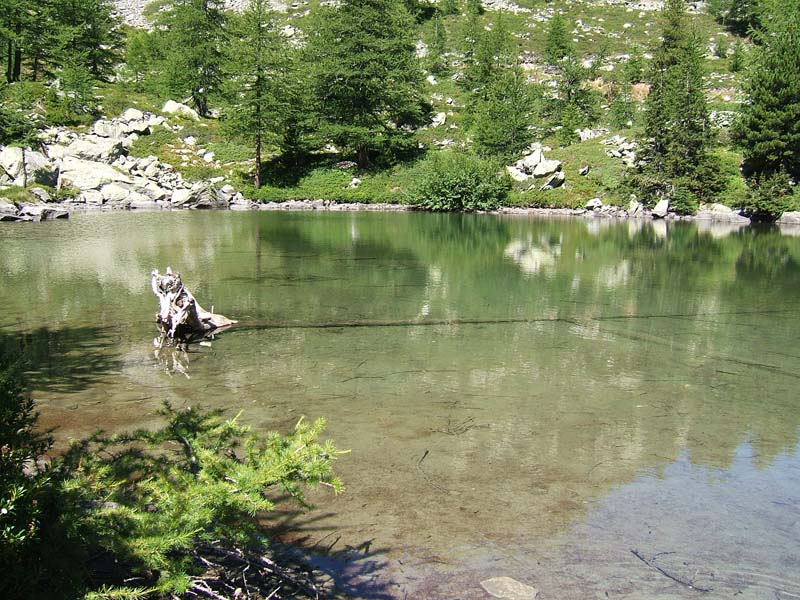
x=652, y=565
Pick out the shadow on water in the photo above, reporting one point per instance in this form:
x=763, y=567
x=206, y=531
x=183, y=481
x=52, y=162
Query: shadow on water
x=359, y=571
x=64, y=360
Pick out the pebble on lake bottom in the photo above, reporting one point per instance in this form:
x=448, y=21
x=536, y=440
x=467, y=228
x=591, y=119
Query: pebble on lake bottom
x=509, y=589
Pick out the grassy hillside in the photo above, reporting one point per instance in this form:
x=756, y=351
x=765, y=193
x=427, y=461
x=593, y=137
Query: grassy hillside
x=613, y=27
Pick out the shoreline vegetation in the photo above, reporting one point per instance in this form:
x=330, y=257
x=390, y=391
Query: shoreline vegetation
x=167, y=512
x=493, y=104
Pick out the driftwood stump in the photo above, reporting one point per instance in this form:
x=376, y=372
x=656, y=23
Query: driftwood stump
x=180, y=318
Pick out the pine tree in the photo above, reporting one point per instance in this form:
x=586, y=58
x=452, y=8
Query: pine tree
x=769, y=128
x=676, y=118
x=192, y=33
x=367, y=76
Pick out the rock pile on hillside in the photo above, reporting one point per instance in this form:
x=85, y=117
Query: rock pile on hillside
x=536, y=165
x=98, y=169
x=619, y=147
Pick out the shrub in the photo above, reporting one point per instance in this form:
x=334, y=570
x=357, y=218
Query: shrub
x=23, y=483
x=683, y=201
x=769, y=196
x=454, y=181
x=143, y=514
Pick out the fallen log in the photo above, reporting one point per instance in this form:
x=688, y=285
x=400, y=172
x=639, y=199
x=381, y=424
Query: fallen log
x=180, y=318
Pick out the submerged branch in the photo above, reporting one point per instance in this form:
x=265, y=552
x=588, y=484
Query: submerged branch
x=652, y=565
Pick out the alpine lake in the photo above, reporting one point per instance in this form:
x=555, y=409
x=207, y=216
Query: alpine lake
x=594, y=409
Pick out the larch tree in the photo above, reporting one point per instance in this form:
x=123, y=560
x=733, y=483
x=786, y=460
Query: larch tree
x=367, y=77
x=503, y=117
x=255, y=66
x=193, y=37
x=92, y=31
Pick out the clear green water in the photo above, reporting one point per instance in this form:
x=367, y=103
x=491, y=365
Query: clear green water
x=523, y=398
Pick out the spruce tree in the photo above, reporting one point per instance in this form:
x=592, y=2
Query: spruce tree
x=677, y=127
x=769, y=128
x=367, y=77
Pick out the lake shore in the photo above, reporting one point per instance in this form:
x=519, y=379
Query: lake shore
x=711, y=213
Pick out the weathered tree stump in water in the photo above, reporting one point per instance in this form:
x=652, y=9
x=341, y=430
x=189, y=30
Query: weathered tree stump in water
x=180, y=318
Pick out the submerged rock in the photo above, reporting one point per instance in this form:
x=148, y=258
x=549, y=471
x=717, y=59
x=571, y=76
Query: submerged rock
x=507, y=588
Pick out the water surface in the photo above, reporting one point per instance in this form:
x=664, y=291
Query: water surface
x=528, y=398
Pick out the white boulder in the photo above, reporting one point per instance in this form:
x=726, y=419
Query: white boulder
x=95, y=148
x=547, y=167
x=114, y=192
x=661, y=209
x=88, y=175
x=36, y=166
x=594, y=204
x=555, y=180
x=176, y=108
x=790, y=218
x=131, y=114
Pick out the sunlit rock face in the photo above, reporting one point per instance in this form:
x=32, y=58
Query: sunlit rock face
x=132, y=11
